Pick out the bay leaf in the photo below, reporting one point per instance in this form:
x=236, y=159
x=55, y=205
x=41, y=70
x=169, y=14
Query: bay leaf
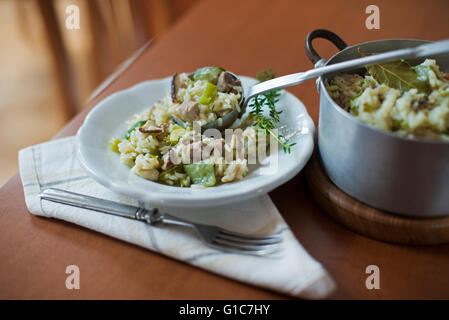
x=398, y=75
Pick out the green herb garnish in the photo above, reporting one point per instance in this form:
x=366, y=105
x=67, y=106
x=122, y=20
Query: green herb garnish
x=268, y=100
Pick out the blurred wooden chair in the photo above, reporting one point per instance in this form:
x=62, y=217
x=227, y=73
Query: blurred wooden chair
x=120, y=27
x=117, y=27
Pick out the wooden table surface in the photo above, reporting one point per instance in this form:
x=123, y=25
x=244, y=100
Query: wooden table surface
x=245, y=37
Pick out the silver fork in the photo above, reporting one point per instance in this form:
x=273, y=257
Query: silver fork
x=215, y=237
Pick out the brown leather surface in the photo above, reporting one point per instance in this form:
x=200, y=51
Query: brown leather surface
x=242, y=36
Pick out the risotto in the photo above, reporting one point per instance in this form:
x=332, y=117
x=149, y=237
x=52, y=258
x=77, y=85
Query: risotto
x=420, y=110
x=165, y=143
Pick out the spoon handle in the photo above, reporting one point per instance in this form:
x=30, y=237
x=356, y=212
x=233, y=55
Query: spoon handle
x=434, y=48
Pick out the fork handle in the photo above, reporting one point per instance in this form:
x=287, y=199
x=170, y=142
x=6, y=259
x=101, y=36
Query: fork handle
x=150, y=216
x=167, y=218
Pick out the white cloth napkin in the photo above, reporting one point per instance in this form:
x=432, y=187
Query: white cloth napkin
x=291, y=270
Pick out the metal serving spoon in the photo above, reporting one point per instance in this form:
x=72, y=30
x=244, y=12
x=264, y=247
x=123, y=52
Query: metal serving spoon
x=425, y=50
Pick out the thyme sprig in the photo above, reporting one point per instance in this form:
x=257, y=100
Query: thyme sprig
x=268, y=100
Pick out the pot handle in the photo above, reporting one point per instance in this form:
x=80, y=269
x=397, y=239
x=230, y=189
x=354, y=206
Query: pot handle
x=325, y=34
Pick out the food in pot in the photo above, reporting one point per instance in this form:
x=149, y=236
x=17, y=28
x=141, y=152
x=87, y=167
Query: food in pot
x=410, y=101
x=161, y=142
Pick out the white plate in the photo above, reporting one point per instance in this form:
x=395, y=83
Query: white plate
x=107, y=120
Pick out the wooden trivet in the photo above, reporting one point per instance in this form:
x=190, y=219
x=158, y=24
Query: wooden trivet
x=368, y=221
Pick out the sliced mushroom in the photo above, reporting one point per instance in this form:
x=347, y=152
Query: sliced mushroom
x=151, y=128
x=176, y=83
x=168, y=159
x=227, y=83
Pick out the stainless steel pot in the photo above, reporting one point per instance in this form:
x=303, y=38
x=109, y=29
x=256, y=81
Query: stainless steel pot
x=381, y=169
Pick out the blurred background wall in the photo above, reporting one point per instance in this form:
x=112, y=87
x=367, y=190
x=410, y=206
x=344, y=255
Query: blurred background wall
x=47, y=71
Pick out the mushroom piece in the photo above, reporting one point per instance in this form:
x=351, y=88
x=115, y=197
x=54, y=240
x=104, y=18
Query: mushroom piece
x=151, y=128
x=169, y=159
x=176, y=83
x=226, y=83
x=188, y=110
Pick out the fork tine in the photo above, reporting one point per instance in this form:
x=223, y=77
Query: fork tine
x=272, y=237
x=244, y=247
x=225, y=248
x=249, y=240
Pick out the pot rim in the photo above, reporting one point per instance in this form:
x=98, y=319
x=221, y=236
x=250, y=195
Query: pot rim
x=350, y=117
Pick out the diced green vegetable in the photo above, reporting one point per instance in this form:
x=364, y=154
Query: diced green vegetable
x=442, y=95
x=353, y=107
x=354, y=110
x=404, y=125
x=176, y=134
x=163, y=176
x=367, y=82
x=134, y=127
x=367, y=107
x=209, y=94
x=185, y=182
x=352, y=103
x=399, y=124
x=113, y=144
x=422, y=71
x=201, y=173
x=208, y=73
x=159, y=159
